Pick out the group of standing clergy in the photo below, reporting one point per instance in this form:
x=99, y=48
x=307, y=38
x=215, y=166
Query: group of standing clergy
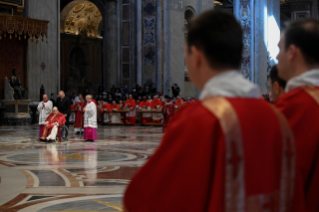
x=51, y=119
x=232, y=151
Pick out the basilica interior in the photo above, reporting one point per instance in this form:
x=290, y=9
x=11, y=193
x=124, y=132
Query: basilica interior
x=77, y=46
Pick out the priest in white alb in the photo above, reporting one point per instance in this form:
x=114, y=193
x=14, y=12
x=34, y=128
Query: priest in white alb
x=90, y=120
x=44, y=108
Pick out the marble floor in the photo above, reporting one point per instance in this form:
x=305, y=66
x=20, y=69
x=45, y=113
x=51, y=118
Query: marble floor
x=73, y=176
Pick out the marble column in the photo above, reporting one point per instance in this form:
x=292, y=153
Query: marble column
x=260, y=21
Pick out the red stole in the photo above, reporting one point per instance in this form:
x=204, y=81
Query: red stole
x=217, y=156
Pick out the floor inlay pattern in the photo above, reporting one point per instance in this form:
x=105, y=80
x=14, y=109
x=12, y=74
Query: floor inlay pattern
x=71, y=176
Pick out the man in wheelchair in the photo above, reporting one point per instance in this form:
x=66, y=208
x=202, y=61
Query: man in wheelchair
x=53, y=125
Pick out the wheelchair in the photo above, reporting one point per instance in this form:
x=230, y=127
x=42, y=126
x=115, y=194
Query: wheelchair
x=64, y=133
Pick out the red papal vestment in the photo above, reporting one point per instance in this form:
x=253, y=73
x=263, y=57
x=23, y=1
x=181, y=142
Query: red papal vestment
x=79, y=116
x=130, y=104
x=221, y=154
x=301, y=107
x=51, y=121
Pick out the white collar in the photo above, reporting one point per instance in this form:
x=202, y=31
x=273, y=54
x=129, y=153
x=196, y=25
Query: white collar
x=230, y=84
x=308, y=78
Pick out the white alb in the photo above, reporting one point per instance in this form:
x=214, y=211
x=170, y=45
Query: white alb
x=90, y=115
x=45, y=111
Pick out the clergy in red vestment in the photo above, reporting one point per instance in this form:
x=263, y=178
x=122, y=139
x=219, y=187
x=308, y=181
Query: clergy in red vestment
x=79, y=115
x=168, y=111
x=157, y=105
x=179, y=102
x=298, y=64
x=226, y=152
x=145, y=105
x=52, y=124
x=115, y=117
x=130, y=104
x=105, y=111
x=121, y=104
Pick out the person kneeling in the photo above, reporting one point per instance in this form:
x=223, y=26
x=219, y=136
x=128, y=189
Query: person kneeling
x=52, y=126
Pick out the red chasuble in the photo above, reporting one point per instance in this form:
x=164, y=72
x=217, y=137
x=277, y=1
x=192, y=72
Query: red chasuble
x=301, y=107
x=79, y=116
x=217, y=156
x=52, y=119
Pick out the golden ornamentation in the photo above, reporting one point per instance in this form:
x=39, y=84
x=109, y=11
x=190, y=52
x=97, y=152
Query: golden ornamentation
x=78, y=8
x=83, y=18
x=20, y=25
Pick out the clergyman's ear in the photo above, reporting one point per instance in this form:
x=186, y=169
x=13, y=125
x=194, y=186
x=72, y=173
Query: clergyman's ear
x=292, y=52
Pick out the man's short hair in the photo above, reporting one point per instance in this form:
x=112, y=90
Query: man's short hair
x=305, y=35
x=219, y=36
x=55, y=108
x=275, y=78
x=52, y=94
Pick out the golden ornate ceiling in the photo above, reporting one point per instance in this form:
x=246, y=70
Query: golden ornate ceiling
x=84, y=18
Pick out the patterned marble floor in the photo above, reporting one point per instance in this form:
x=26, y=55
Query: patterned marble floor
x=74, y=176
